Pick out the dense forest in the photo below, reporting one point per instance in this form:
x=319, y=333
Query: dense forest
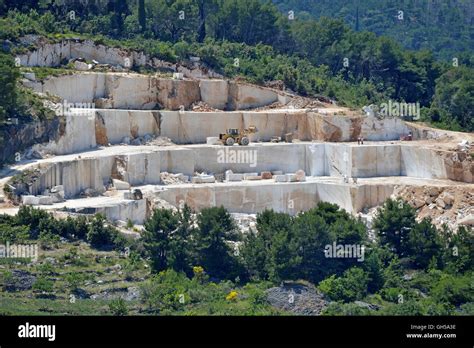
x=312, y=57
x=444, y=27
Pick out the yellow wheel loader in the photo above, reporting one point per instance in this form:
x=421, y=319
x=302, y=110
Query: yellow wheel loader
x=233, y=135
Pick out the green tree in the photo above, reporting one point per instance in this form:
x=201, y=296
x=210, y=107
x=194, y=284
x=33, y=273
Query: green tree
x=157, y=237
x=424, y=243
x=99, y=234
x=258, y=246
x=453, y=100
x=142, y=15
x=393, y=222
x=458, y=256
x=216, y=229
x=180, y=244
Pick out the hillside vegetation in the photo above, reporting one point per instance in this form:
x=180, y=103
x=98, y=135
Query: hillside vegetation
x=443, y=27
x=199, y=264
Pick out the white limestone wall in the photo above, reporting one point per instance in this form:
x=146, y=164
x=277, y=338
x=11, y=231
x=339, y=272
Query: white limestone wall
x=144, y=92
x=254, y=158
x=290, y=198
x=195, y=127
x=143, y=165
x=215, y=93
x=77, y=88
x=246, y=96
x=385, y=129
x=179, y=160
x=90, y=51
x=119, y=124
x=315, y=154
x=136, y=211
x=79, y=136
x=131, y=91
x=422, y=163
x=338, y=159
x=282, y=197
x=47, y=55
x=337, y=193
x=375, y=160
x=368, y=196
x=53, y=54
x=143, y=168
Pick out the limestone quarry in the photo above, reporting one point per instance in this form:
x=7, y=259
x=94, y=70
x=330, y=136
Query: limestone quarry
x=129, y=142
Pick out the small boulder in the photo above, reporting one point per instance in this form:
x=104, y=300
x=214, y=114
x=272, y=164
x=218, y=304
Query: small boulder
x=467, y=220
x=448, y=198
x=82, y=66
x=418, y=203
x=120, y=185
x=440, y=203
x=300, y=175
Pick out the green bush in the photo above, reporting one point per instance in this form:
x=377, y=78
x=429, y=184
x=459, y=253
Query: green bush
x=118, y=307
x=350, y=287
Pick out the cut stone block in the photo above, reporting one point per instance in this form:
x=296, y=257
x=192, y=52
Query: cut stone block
x=203, y=179
x=253, y=177
x=235, y=177
x=249, y=175
x=57, y=197
x=213, y=141
x=57, y=189
x=120, y=185
x=280, y=178
x=45, y=200
x=30, y=200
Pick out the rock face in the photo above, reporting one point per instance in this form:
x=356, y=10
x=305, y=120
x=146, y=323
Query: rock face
x=298, y=299
x=52, y=54
x=143, y=165
x=143, y=92
x=20, y=281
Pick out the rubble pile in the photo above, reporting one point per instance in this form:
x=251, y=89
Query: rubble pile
x=201, y=106
x=148, y=139
x=173, y=179
x=452, y=205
